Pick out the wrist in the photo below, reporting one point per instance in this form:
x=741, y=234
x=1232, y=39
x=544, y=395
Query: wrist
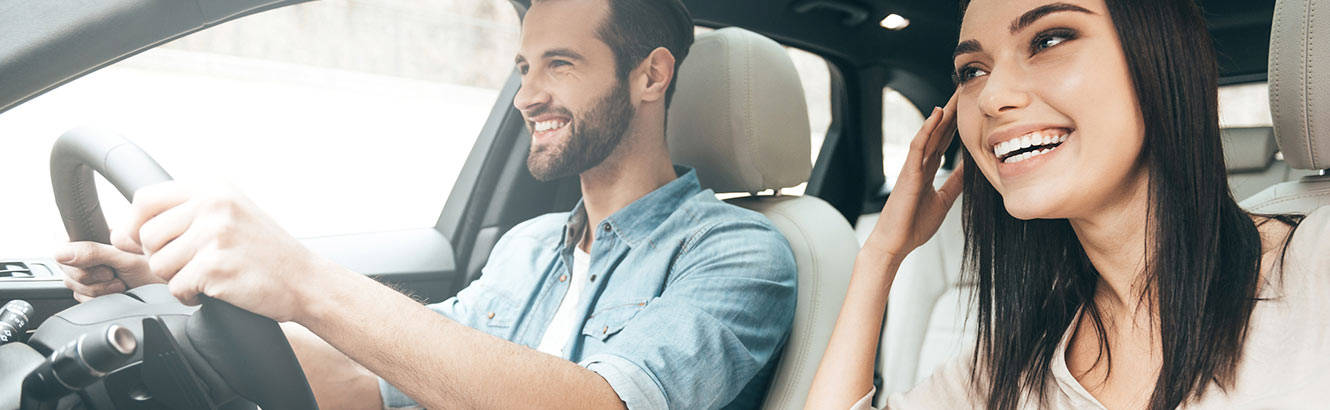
x=317, y=299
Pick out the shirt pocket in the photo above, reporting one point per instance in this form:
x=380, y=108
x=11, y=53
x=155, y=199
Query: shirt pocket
x=609, y=320
x=497, y=312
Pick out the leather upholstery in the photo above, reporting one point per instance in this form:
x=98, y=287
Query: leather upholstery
x=1300, y=104
x=739, y=118
x=1300, y=81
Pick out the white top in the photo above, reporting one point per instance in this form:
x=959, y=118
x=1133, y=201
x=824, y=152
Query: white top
x=565, y=317
x=1285, y=361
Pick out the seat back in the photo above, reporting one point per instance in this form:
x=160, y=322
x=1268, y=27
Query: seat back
x=1300, y=106
x=740, y=119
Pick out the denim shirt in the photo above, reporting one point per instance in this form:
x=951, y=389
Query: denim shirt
x=688, y=300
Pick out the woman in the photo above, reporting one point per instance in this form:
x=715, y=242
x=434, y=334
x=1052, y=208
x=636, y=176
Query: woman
x=1114, y=268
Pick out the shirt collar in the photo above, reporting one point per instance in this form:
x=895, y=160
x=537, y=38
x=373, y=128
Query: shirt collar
x=636, y=221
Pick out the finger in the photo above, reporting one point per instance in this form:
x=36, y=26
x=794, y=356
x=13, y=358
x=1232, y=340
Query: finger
x=915, y=157
x=85, y=254
x=124, y=243
x=951, y=189
x=159, y=231
x=187, y=284
x=168, y=261
x=149, y=202
x=944, y=132
x=95, y=274
x=94, y=290
x=81, y=298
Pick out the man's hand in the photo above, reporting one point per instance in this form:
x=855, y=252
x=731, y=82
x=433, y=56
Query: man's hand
x=93, y=269
x=212, y=240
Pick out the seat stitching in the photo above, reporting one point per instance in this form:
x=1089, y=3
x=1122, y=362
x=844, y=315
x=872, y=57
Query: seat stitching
x=804, y=341
x=816, y=300
x=1274, y=82
x=1291, y=198
x=1311, y=117
x=749, y=126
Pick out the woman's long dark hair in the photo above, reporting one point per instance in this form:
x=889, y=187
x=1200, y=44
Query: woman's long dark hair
x=1204, y=252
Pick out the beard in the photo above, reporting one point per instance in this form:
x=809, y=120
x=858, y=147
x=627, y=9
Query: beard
x=590, y=140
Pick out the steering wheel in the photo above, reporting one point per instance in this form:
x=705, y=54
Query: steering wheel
x=232, y=352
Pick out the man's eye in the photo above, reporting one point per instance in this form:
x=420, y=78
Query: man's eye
x=523, y=69
x=1050, y=38
x=559, y=63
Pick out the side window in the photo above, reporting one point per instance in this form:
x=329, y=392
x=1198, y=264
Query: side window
x=900, y=122
x=336, y=117
x=815, y=75
x=1244, y=105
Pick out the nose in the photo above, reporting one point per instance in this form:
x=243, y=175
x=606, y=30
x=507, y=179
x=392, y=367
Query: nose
x=530, y=96
x=1004, y=91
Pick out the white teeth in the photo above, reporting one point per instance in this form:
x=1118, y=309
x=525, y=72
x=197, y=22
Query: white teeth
x=548, y=125
x=1035, y=139
x=1024, y=156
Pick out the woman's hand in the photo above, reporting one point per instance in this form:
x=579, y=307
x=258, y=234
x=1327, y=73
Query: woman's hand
x=912, y=214
x=914, y=209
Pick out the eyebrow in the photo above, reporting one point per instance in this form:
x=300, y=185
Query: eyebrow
x=553, y=53
x=1025, y=20
x=967, y=47
x=1039, y=12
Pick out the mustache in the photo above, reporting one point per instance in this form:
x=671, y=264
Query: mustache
x=547, y=110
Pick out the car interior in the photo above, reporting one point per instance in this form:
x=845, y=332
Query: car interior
x=740, y=119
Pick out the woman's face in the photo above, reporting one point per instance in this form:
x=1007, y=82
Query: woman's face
x=1046, y=106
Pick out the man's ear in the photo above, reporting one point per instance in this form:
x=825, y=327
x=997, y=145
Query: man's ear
x=658, y=72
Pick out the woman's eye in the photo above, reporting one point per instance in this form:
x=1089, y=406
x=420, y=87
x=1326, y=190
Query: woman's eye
x=965, y=74
x=1048, y=39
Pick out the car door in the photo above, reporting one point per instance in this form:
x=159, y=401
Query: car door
x=380, y=133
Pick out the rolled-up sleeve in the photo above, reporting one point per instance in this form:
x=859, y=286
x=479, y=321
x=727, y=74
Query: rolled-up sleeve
x=724, y=314
x=637, y=388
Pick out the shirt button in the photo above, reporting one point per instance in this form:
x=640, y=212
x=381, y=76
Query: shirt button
x=563, y=278
x=605, y=227
x=593, y=278
x=491, y=315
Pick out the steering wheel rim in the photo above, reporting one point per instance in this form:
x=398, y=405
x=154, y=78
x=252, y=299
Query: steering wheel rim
x=228, y=338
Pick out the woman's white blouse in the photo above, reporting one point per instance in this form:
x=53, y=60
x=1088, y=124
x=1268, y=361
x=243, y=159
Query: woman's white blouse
x=1285, y=362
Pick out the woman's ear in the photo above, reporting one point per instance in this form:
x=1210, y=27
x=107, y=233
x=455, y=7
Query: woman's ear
x=658, y=71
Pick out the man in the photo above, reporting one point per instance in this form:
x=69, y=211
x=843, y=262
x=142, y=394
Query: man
x=650, y=294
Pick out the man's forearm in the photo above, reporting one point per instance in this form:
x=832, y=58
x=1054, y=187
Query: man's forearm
x=441, y=363
x=338, y=382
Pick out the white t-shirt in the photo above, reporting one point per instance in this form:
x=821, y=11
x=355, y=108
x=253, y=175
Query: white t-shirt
x=565, y=317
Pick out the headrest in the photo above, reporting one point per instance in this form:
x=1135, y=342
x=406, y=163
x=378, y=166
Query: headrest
x=1300, y=82
x=739, y=116
x=1249, y=149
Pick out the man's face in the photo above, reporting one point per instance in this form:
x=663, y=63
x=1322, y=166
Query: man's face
x=574, y=103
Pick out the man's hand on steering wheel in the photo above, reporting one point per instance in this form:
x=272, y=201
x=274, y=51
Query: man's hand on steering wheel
x=212, y=240
x=94, y=269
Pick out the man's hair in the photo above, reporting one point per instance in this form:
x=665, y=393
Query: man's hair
x=635, y=28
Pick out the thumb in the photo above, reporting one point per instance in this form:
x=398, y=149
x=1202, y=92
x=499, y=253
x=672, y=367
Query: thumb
x=85, y=254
